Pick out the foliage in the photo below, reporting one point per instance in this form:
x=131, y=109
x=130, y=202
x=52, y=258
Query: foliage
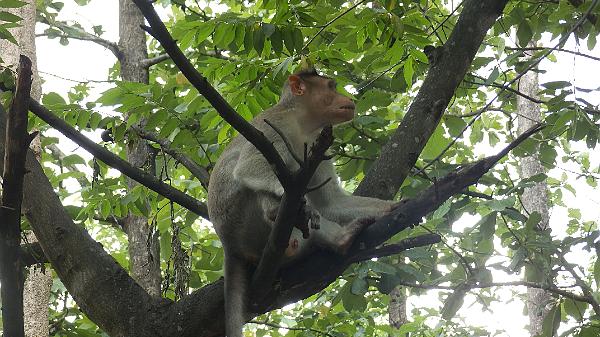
x=375, y=51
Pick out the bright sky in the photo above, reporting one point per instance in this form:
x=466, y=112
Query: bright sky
x=82, y=60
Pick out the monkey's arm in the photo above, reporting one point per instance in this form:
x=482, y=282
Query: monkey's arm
x=334, y=203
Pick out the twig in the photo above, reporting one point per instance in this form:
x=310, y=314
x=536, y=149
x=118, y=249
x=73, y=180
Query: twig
x=198, y=171
x=528, y=284
x=272, y=325
x=556, y=49
x=396, y=248
x=84, y=36
x=147, y=63
x=117, y=162
x=331, y=22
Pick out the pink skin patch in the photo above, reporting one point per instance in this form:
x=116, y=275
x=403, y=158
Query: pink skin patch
x=291, y=248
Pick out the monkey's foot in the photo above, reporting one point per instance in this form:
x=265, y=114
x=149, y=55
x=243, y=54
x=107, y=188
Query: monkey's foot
x=351, y=231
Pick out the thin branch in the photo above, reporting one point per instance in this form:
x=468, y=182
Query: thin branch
x=80, y=34
x=158, y=30
x=117, y=162
x=556, y=49
x=76, y=81
x=147, y=63
x=550, y=288
x=509, y=89
x=272, y=325
x=197, y=171
x=330, y=22
x=396, y=248
x=587, y=291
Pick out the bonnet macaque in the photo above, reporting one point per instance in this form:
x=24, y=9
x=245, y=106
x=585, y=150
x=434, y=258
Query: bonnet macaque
x=244, y=193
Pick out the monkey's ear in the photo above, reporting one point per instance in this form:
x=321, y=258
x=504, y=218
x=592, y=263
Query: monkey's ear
x=297, y=86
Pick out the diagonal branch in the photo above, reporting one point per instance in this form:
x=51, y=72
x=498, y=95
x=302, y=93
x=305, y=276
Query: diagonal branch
x=73, y=32
x=197, y=171
x=158, y=30
x=117, y=162
x=400, y=154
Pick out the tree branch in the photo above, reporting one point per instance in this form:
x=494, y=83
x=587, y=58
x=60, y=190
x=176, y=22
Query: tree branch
x=158, y=30
x=73, y=32
x=557, y=49
x=17, y=143
x=551, y=288
x=400, y=154
x=147, y=63
x=117, y=162
x=197, y=171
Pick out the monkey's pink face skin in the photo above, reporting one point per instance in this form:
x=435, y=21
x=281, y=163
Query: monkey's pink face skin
x=332, y=107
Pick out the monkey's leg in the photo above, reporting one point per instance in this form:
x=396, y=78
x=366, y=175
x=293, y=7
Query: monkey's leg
x=337, y=238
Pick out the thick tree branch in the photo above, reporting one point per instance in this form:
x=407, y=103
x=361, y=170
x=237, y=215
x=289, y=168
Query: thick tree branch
x=197, y=171
x=94, y=279
x=400, y=154
x=117, y=162
x=158, y=30
x=17, y=142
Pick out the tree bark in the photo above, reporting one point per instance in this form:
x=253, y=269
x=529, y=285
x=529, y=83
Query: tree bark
x=36, y=291
x=144, y=253
x=535, y=198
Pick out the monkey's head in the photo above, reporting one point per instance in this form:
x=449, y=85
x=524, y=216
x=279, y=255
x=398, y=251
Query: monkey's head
x=318, y=96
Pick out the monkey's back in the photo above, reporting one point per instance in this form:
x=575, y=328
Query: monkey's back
x=234, y=209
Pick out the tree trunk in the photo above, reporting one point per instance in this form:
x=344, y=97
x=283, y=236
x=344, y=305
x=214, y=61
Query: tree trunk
x=36, y=290
x=535, y=198
x=144, y=251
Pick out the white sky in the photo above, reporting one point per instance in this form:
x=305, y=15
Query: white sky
x=82, y=60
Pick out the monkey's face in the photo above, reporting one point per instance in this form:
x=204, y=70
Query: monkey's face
x=321, y=99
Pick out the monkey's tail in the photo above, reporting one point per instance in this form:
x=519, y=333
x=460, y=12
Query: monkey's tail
x=236, y=280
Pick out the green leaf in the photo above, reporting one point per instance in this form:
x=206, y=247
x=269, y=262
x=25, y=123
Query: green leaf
x=575, y=309
x=9, y=17
x=259, y=41
x=298, y=39
x=6, y=35
x=551, y=322
x=524, y=33
x=597, y=272
x=359, y=286
x=53, y=98
x=12, y=3
x=453, y=303
x=408, y=71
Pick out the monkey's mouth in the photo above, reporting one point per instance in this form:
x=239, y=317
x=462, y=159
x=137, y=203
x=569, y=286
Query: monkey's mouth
x=349, y=107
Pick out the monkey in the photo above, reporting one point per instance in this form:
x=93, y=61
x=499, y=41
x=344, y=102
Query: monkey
x=244, y=193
